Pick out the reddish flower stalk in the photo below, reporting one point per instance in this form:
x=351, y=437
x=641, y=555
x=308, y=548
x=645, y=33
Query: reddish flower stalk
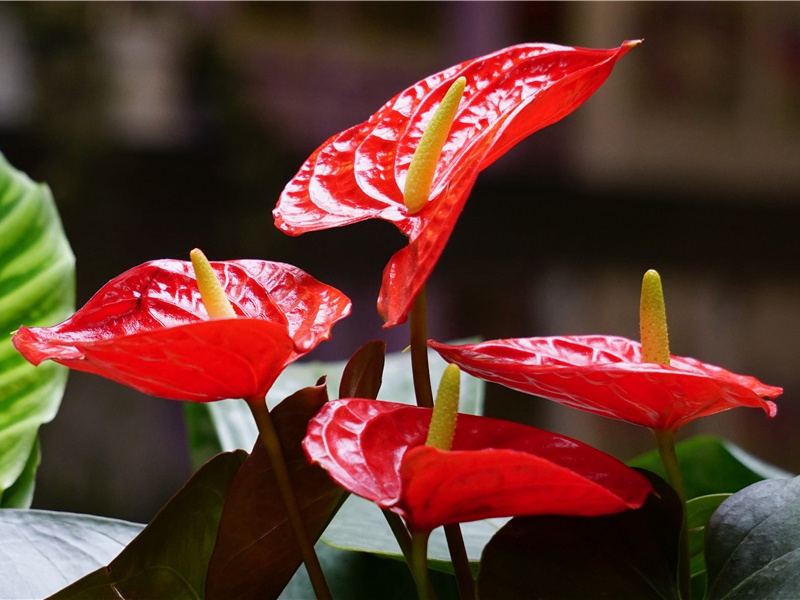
x=361, y=173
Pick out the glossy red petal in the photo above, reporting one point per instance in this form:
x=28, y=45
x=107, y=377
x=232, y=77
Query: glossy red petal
x=496, y=468
x=148, y=329
x=311, y=308
x=360, y=173
x=199, y=362
x=604, y=375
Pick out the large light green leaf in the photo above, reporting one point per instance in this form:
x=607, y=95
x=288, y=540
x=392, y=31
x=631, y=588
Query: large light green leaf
x=43, y=551
x=37, y=287
x=228, y=425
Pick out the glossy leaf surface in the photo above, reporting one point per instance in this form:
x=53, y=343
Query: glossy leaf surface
x=169, y=558
x=148, y=329
x=605, y=375
x=256, y=553
x=43, y=551
x=37, y=286
x=753, y=543
x=360, y=173
x=495, y=468
x=632, y=554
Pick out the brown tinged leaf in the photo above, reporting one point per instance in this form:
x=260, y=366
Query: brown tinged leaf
x=256, y=554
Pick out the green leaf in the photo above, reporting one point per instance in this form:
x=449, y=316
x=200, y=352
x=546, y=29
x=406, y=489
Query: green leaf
x=360, y=526
x=698, y=512
x=37, y=287
x=712, y=466
x=233, y=427
x=632, y=554
x=43, y=551
x=256, y=553
x=169, y=558
x=753, y=543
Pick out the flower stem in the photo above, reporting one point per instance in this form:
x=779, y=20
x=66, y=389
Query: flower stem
x=419, y=563
x=666, y=450
x=404, y=541
x=422, y=388
x=269, y=439
x=418, y=325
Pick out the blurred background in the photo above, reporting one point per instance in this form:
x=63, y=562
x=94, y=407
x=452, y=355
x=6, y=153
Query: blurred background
x=165, y=126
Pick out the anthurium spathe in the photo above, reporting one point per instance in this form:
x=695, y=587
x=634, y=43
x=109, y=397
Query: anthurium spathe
x=495, y=468
x=361, y=173
x=605, y=375
x=149, y=329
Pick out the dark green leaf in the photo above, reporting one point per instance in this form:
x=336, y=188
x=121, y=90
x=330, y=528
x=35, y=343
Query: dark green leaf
x=628, y=555
x=37, y=287
x=712, y=466
x=43, y=551
x=256, y=552
x=363, y=373
x=170, y=557
x=753, y=543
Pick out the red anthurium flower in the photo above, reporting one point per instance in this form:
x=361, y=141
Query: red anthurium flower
x=495, y=468
x=360, y=173
x=605, y=375
x=148, y=329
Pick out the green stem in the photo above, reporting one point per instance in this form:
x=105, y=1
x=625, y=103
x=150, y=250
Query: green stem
x=404, y=541
x=419, y=563
x=269, y=439
x=666, y=450
x=420, y=370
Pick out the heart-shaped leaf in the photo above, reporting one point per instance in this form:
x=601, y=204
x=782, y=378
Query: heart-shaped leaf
x=256, y=553
x=170, y=557
x=753, y=543
x=632, y=554
x=37, y=287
